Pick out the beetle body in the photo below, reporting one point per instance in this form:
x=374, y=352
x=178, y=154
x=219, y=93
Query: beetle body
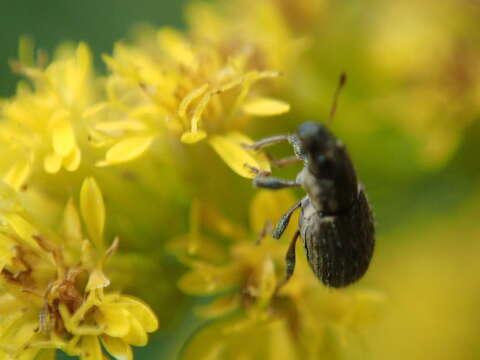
x=338, y=247
x=336, y=222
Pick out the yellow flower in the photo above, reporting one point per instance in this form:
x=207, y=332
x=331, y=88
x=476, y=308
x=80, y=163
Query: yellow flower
x=251, y=319
x=428, y=66
x=433, y=65
x=42, y=125
x=170, y=83
x=262, y=29
x=53, y=286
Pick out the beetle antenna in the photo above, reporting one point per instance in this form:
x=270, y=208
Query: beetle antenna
x=341, y=84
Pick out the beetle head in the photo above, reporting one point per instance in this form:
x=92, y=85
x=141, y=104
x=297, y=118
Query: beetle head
x=318, y=143
x=315, y=138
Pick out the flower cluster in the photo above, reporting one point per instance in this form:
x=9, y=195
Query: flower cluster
x=436, y=65
x=42, y=125
x=54, y=289
x=171, y=84
x=251, y=317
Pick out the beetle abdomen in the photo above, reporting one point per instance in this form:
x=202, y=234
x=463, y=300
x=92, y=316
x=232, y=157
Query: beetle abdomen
x=338, y=247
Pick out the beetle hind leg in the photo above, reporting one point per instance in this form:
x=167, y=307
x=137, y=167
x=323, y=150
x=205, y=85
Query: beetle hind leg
x=289, y=262
x=285, y=220
x=266, y=230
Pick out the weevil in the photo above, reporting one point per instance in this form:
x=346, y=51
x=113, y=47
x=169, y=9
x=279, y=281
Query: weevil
x=336, y=222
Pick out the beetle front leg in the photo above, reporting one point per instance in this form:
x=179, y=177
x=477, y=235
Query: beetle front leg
x=263, y=180
x=290, y=262
x=273, y=183
x=269, y=141
x=283, y=161
x=284, y=220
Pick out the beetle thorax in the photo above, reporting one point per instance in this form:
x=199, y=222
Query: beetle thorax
x=321, y=192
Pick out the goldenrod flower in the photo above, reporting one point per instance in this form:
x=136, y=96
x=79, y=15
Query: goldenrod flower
x=169, y=83
x=42, y=126
x=302, y=321
x=53, y=286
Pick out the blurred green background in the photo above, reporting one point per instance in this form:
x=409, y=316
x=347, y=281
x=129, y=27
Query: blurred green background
x=99, y=23
x=427, y=215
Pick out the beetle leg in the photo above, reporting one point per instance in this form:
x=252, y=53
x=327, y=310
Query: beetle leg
x=283, y=161
x=284, y=220
x=259, y=173
x=273, y=183
x=263, y=180
x=271, y=140
x=267, y=229
x=290, y=262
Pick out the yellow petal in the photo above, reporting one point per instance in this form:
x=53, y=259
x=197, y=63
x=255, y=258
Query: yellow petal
x=97, y=139
x=23, y=228
x=196, y=283
x=52, y=163
x=72, y=160
x=97, y=280
x=263, y=106
x=93, y=209
x=114, y=319
x=94, y=110
x=18, y=174
x=207, y=250
x=215, y=342
x=219, y=307
x=63, y=137
x=8, y=305
x=262, y=159
x=191, y=137
x=91, y=349
x=72, y=226
x=207, y=280
x=235, y=155
x=120, y=126
x=110, y=251
x=175, y=44
x=187, y=100
x=127, y=149
x=197, y=114
x=84, y=57
x=141, y=312
x=17, y=334
x=6, y=254
x=248, y=80
x=118, y=348
x=137, y=335
x=268, y=207
x=267, y=282
x=282, y=344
